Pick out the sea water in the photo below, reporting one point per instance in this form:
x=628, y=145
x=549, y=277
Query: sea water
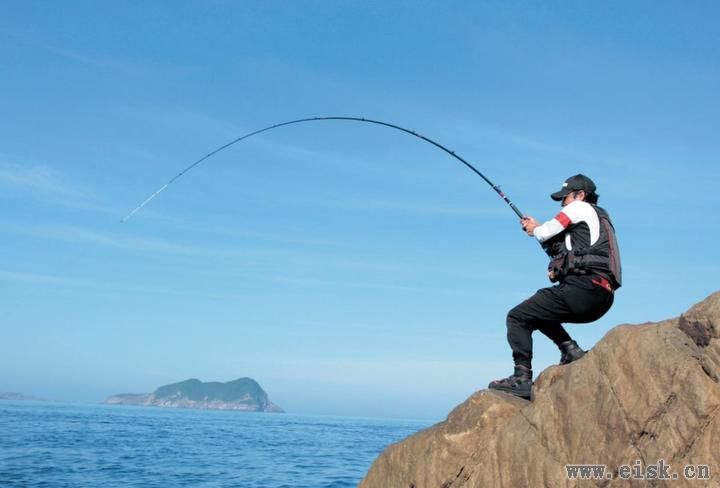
x=45, y=444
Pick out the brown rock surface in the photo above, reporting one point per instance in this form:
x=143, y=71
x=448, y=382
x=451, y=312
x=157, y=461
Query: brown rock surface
x=644, y=392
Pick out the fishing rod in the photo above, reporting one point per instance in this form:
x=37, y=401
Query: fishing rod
x=313, y=119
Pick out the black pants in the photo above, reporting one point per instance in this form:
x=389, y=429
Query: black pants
x=546, y=311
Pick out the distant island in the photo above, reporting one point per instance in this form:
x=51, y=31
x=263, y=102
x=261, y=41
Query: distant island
x=243, y=394
x=20, y=397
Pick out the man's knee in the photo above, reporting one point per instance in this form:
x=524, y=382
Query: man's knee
x=516, y=319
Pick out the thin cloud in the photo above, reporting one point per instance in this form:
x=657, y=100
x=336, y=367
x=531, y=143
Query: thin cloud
x=423, y=208
x=223, y=230
x=79, y=57
x=40, y=178
x=305, y=282
x=28, y=277
x=255, y=255
x=521, y=140
x=183, y=119
x=82, y=235
x=49, y=185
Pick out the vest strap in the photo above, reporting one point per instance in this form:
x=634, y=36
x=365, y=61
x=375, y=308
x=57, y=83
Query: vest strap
x=603, y=283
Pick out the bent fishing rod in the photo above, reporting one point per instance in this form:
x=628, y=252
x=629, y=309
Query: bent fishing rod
x=313, y=119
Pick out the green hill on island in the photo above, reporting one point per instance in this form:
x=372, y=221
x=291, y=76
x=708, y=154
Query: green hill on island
x=242, y=394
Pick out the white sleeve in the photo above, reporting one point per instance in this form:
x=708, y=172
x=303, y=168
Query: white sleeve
x=571, y=213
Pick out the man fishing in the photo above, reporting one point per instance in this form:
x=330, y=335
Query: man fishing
x=580, y=241
x=584, y=264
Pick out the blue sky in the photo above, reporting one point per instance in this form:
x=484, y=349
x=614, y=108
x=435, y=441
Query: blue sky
x=350, y=269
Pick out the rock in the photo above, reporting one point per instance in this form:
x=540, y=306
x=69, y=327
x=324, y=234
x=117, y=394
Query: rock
x=644, y=392
x=137, y=399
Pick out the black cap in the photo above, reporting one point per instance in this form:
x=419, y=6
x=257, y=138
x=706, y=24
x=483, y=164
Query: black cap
x=574, y=183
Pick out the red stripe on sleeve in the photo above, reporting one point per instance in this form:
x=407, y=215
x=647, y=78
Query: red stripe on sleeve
x=563, y=219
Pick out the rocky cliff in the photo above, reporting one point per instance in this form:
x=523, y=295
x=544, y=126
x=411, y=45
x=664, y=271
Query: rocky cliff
x=241, y=394
x=644, y=393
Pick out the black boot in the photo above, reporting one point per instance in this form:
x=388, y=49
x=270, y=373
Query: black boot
x=569, y=352
x=519, y=384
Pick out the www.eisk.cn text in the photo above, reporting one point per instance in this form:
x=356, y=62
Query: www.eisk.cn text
x=660, y=470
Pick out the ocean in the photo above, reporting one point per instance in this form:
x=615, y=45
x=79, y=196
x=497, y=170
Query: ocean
x=45, y=444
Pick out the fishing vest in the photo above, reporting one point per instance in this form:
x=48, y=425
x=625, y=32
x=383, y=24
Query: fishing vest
x=601, y=258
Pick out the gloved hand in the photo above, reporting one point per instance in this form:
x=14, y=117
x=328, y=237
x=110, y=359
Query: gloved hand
x=528, y=225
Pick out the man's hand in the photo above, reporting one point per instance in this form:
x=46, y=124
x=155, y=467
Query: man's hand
x=528, y=225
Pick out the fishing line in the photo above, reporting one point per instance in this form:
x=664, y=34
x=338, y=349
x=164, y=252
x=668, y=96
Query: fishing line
x=312, y=119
